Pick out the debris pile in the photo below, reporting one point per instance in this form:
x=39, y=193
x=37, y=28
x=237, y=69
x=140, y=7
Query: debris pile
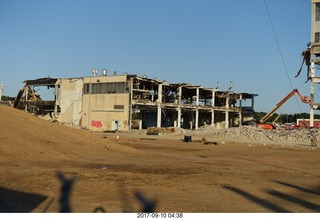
x=314, y=137
x=160, y=131
x=255, y=134
x=244, y=134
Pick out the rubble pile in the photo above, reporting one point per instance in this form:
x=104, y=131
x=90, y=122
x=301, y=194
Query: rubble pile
x=244, y=134
x=159, y=131
x=251, y=133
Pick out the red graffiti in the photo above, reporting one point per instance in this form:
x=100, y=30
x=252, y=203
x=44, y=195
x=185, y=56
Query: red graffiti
x=97, y=124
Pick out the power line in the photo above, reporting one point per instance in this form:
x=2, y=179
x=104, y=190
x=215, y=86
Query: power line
x=278, y=45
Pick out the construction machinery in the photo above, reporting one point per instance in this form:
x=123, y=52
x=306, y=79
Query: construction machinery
x=264, y=125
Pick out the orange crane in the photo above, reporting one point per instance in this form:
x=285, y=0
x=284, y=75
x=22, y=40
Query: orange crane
x=264, y=125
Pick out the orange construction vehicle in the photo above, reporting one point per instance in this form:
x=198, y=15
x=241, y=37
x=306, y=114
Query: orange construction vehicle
x=264, y=125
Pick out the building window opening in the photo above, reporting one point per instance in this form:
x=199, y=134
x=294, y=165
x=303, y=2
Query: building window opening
x=317, y=12
x=105, y=88
x=317, y=37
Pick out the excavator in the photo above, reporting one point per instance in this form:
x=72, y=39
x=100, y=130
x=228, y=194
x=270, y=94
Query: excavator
x=262, y=123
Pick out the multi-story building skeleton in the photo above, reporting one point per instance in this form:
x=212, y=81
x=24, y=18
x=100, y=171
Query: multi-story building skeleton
x=125, y=102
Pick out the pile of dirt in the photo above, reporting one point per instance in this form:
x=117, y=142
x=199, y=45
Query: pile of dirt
x=25, y=137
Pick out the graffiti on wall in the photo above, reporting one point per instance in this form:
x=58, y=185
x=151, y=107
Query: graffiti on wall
x=96, y=124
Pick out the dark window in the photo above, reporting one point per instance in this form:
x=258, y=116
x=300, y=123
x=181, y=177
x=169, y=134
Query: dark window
x=105, y=88
x=95, y=88
x=118, y=107
x=317, y=37
x=317, y=12
x=86, y=88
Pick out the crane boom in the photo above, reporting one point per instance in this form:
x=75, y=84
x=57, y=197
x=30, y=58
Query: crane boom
x=304, y=99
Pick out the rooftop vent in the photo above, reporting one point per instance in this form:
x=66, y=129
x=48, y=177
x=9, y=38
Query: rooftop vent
x=217, y=88
x=231, y=86
x=104, y=72
x=94, y=72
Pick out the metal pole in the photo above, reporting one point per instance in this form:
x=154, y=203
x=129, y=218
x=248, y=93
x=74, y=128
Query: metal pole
x=1, y=90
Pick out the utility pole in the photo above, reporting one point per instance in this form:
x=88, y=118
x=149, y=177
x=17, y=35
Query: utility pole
x=1, y=91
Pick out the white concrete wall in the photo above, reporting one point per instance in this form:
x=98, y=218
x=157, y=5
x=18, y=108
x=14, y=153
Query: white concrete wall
x=70, y=101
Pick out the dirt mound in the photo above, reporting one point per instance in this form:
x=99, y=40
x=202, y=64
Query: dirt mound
x=179, y=176
x=25, y=137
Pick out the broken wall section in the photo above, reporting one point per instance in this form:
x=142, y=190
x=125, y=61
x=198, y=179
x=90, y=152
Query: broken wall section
x=69, y=101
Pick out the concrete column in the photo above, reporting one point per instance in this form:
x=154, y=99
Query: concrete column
x=197, y=96
x=212, y=105
x=227, y=113
x=312, y=74
x=191, y=120
x=159, y=110
x=56, y=94
x=179, y=107
x=180, y=95
x=159, y=116
x=140, y=125
x=212, y=117
x=197, y=110
x=197, y=120
x=26, y=98
x=252, y=103
x=179, y=117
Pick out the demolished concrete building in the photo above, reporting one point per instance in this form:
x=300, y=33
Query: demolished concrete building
x=125, y=102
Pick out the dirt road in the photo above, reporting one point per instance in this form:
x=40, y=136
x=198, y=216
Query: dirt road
x=178, y=176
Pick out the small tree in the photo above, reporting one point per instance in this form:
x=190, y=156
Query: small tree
x=5, y=98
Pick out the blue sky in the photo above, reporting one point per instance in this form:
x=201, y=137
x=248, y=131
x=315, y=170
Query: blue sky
x=200, y=42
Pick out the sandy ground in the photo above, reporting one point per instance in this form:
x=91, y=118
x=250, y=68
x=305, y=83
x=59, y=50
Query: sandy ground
x=177, y=176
